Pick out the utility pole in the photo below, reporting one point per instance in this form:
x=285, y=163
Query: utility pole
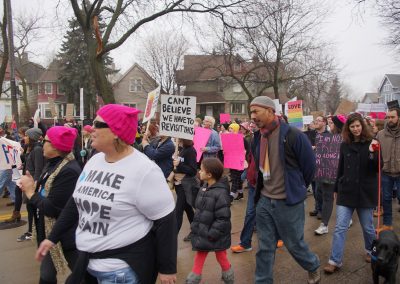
x=14, y=102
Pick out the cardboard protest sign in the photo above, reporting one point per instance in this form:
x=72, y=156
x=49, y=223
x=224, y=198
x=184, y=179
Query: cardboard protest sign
x=70, y=111
x=200, y=139
x=327, y=147
x=234, y=153
x=295, y=113
x=10, y=152
x=224, y=118
x=151, y=104
x=307, y=119
x=177, y=116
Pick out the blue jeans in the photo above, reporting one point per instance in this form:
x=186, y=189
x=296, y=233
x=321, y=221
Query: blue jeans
x=388, y=184
x=125, y=275
x=249, y=220
x=343, y=216
x=276, y=220
x=6, y=180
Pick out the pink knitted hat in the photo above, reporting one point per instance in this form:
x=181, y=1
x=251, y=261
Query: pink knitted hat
x=122, y=120
x=62, y=138
x=88, y=128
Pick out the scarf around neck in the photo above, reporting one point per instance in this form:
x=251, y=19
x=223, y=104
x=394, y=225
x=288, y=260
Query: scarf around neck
x=264, y=165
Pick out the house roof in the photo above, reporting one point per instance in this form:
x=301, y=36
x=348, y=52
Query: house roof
x=135, y=65
x=29, y=70
x=51, y=73
x=394, y=80
x=373, y=97
x=206, y=97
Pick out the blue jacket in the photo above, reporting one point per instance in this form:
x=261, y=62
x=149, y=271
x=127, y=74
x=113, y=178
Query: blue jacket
x=161, y=154
x=298, y=163
x=213, y=145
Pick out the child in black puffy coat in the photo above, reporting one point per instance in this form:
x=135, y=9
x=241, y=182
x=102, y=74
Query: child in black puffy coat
x=211, y=226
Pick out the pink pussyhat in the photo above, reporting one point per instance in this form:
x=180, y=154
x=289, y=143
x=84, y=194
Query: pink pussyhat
x=62, y=138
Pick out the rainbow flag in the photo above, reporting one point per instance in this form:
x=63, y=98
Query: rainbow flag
x=295, y=113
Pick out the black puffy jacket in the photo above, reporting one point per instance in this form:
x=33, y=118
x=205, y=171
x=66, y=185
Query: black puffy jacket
x=211, y=226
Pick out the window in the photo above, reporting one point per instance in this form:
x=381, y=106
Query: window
x=135, y=85
x=238, y=108
x=236, y=88
x=48, y=88
x=129, y=104
x=45, y=110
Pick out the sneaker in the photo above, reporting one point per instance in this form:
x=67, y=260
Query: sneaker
x=239, y=196
x=239, y=249
x=384, y=228
x=314, y=277
x=25, y=237
x=350, y=223
x=322, y=229
x=279, y=244
x=188, y=238
x=330, y=268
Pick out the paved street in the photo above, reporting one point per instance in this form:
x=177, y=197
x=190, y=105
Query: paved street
x=17, y=265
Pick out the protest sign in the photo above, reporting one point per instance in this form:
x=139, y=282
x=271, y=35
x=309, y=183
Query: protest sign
x=200, y=139
x=224, y=118
x=327, y=148
x=393, y=104
x=9, y=154
x=52, y=107
x=177, y=116
x=151, y=104
x=2, y=113
x=234, y=153
x=69, y=114
x=307, y=119
x=295, y=113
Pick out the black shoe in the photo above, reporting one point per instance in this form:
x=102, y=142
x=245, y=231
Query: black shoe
x=239, y=196
x=231, y=198
x=313, y=213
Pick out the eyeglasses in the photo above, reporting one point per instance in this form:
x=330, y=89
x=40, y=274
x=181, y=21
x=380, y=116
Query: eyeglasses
x=45, y=140
x=99, y=124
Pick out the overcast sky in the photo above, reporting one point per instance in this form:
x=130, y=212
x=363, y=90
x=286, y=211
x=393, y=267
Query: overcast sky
x=357, y=47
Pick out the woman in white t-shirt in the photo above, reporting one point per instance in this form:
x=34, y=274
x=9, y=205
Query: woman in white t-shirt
x=123, y=209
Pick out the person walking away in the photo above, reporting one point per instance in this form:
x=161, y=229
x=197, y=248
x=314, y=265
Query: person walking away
x=211, y=227
x=286, y=164
x=356, y=188
x=389, y=139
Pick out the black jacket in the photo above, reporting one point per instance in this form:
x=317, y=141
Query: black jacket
x=211, y=226
x=34, y=161
x=357, y=179
x=188, y=164
x=161, y=154
x=51, y=206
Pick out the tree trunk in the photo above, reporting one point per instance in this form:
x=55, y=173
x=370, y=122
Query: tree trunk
x=25, y=99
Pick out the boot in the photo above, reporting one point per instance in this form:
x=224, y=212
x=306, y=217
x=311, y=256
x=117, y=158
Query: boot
x=193, y=278
x=228, y=276
x=15, y=218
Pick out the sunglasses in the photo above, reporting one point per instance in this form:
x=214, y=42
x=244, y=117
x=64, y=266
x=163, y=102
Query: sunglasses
x=45, y=140
x=99, y=124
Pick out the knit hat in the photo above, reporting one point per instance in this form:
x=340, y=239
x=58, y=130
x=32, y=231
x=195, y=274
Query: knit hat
x=34, y=133
x=245, y=125
x=263, y=101
x=122, y=120
x=62, y=138
x=235, y=127
x=339, y=121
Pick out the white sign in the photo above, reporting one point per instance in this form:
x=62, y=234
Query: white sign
x=151, y=104
x=2, y=113
x=371, y=107
x=177, y=116
x=278, y=106
x=82, y=117
x=307, y=119
x=10, y=154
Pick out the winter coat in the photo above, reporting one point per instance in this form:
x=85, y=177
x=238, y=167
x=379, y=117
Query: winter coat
x=211, y=226
x=357, y=180
x=161, y=154
x=34, y=161
x=188, y=166
x=390, y=150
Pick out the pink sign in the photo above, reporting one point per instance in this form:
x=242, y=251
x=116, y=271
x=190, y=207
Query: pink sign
x=234, y=153
x=224, y=117
x=378, y=115
x=200, y=139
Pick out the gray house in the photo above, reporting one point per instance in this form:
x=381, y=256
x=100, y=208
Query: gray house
x=370, y=98
x=389, y=89
x=132, y=88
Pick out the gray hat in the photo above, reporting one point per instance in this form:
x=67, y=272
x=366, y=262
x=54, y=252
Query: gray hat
x=34, y=133
x=263, y=101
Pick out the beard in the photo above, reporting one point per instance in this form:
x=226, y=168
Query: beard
x=392, y=125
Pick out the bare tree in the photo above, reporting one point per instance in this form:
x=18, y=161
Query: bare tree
x=334, y=96
x=4, y=49
x=162, y=54
x=123, y=18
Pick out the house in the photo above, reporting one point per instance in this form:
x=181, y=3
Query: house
x=132, y=88
x=5, y=95
x=49, y=88
x=370, y=98
x=211, y=79
x=389, y=89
